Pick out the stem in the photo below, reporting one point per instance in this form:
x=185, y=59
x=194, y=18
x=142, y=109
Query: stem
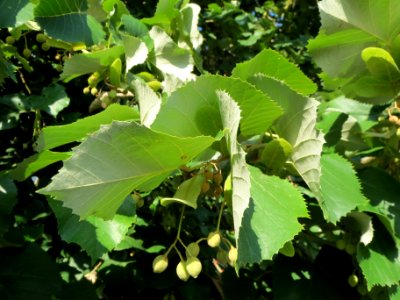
x=220, y=215
x=180, y=223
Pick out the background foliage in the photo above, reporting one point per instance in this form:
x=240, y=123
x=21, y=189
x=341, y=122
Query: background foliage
x=131, y=130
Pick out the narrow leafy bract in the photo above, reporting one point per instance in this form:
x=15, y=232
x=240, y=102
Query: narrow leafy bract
x=271, y=219
x=54, y=136
x=298, y=127
x=93, y=182
x=340, y=188
x=273, y=64
x=95, y=235
x=230, y=116
x=194, y=110
x=187, y=193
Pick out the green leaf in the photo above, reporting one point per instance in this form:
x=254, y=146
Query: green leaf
x=380, y=261
x=94, y=182
x=298, y=127
x=340, y=187
x=15, y=13
x=54, y=136
x=348, y=27
x=95, y=235
x=275, y=153
x=135, y=51
x=201, y=115
x=36, y=162
x=28, y=273
x=68, y=21
x=134, y=26
x=168, y=57
x=230, y=116
x=271, y=220
x=149, y=102
x=187, y=193
x=8, y=196
x=383, y=192
x=380, y=63
x=189, y=33
x=52, y=100
x=80, y=64
x=273, y=64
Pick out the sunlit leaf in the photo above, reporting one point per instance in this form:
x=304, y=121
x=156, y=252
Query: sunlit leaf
x=94, y=182
x=187, y=193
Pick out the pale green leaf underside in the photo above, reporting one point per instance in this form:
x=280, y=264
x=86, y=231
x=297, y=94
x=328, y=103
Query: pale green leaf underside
x=194, y=110
x=68, y=20
x=95, y=235
x=54, y=136
x=298, y=127
x=271, y=219
x=135, y=51
x=273, y=64
x=94, y=182
x=340, y=188
x=230, y=117
x=149, y=102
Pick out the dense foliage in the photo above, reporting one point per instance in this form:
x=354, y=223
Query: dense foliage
x=195, y=150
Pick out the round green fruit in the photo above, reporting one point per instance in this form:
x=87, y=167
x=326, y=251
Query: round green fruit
x=112, y=94
x=214, y=239
x=192, y=250
x=94, y=91
x=10, y=40
x=45, y=47
x=341, y=244
x=352, y=280
x=86, y=90
x=193, y=266
x=40, y=38
x=26, y=53
x=233, y=255
x=160, y=263
x=181, y=271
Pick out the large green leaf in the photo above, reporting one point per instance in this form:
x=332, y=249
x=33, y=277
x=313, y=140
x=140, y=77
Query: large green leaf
x=271, y=219
x=28, y=273
x=189, y=33
x=15, y=13
x=54, y=136
x=116, y=160
x=383, y=192
x=35, y=163
x=95, y=235
x=52, y=100
x=298, y=127
x=273, y=64
x=69, y=21
x=380, y=261
x=170, y=58
x=230, y=116
x=337, y=202
x=135, y=51
x=194, y=110
x=349, y=27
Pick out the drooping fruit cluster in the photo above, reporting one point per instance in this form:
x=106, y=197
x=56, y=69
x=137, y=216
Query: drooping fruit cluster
x=212, y=183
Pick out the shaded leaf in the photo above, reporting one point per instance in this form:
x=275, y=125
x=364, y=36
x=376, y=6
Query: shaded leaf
x=68, y=21
x=52, y=100
x=95, y=235
x=15, y=13
x=337, y=202
x=274, y=65
x=36, y=162
x=271, y=220
x=380, y=63
x=8, y=198
x=54, y=136
x=28, y=273
x=94, y=182
x=135, y=51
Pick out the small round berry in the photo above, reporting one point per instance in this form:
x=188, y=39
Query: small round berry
x=214, y=239
x=160, y=263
